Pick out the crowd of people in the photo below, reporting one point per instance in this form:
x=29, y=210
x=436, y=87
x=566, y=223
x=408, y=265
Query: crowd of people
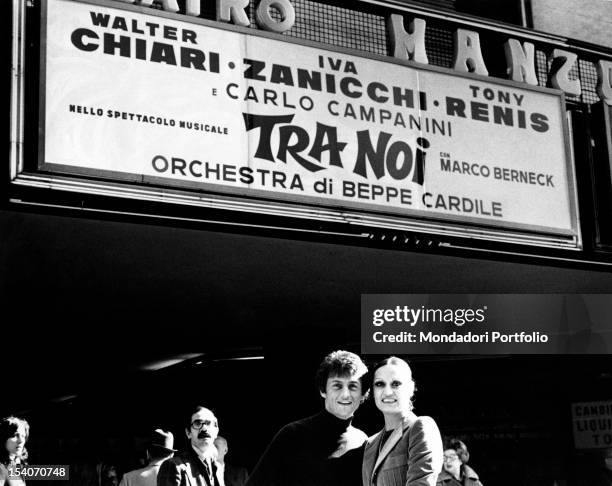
x=324, y=449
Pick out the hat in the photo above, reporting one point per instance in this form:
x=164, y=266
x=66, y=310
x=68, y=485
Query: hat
x=162, y=440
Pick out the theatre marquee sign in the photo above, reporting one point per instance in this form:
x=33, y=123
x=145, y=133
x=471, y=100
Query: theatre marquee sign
x=180, y=106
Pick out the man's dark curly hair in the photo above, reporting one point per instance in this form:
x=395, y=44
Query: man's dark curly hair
x=342, y=363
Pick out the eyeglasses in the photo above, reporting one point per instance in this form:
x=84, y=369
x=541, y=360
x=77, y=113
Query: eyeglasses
x=451, y=458
x=198, y=424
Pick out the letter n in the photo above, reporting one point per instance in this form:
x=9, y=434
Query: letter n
x=366, y=152
x=521, y=62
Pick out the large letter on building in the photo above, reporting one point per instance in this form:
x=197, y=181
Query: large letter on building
x=407, y=45
x=562, y=62
x=521, y=62
x=233, y=11
x=604, y=80
x=267, y=22
x=192, y=7
x=468, y=56
x=167, y=5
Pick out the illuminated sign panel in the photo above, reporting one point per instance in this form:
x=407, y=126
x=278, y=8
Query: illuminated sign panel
x=196, y=106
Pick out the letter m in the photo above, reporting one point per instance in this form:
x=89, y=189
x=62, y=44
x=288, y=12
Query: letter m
x=407, y=45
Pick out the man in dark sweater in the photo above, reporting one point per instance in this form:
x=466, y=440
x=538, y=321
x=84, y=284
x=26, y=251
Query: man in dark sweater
x=325, y=449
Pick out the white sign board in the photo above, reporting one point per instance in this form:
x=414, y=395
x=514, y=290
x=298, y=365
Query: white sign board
x=133, y=96
x=592, y=424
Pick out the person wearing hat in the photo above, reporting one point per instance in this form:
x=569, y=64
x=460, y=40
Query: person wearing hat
x=159, y=449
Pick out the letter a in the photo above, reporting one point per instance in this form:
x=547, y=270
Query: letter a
x=468, y=56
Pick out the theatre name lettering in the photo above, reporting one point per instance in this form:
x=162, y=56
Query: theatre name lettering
x=410, y=43
x=214, y=109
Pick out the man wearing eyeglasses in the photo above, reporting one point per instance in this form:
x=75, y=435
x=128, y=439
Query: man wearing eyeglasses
x=196, y=465
x=324, y=449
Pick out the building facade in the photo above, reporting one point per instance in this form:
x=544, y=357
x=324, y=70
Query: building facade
x=228, y=179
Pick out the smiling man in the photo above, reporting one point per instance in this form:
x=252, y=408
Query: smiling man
x=196, y=465
x=325, y=449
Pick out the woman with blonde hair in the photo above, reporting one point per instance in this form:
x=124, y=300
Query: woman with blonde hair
x=408, y=451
